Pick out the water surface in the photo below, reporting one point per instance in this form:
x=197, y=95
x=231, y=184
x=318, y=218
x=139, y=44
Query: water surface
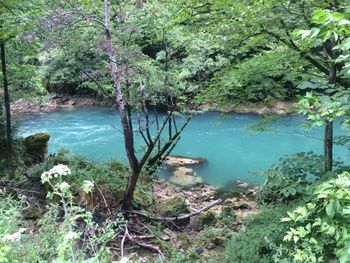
x=233, y=150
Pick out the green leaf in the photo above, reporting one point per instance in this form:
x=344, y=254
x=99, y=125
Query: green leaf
x=330, y=209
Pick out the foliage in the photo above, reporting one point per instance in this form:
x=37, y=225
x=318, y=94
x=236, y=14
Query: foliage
x=55, y=241
x=112, y=174
x=253, y=244
x=292, y=178
x=320, y=230
x=320, y=109
x=327, y=100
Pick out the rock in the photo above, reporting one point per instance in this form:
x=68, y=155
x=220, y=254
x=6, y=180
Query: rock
x=36, y=147
x=242, y=184
x=227, y=215
x=227, y=211
x=241, y=205
x=173, y=206
x=71, y=102
x=184, y=176
x=178, y=161
x=214, y=236
x=218, y=240
x=199, y=250
x=165, y=237
x=205, y=219
x=252, y=192
x=210, y=246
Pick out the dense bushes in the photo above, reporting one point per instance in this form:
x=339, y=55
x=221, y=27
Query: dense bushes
x=71, y=236
x=111, y=176
x=320, y=229
x=256, y=242
x=316, y=231
x=293, y=177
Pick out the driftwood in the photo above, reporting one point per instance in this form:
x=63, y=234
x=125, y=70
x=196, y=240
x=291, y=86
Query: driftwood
x=179, y=217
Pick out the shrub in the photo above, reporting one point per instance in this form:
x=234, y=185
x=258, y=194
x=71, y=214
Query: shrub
x=293, y=177
x=253, y=244
x=56, y=237
x=320, y=231
x=112, y=174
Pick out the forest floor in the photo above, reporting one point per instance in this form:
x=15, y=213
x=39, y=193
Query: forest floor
x=205, y=235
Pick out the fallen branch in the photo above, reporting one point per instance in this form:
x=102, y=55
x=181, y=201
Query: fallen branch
x=104, y=199
x=145, y=245
x=179, y=217
x=126, y=232
x=139, y=243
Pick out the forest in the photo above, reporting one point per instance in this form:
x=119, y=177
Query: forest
x=175, y=131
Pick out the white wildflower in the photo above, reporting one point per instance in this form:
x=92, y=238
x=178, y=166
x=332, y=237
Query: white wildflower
x=71, y=235
x=45, y=177
x=88, y=186
x=54, y=172
x=124, y=260
x=13, y=237
x=60, y=170
x=64, y=186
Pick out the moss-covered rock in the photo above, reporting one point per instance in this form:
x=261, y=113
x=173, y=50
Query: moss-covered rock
x=35, y=147
x=173, y=206
x=183, y=240
x=207, y=218
x=227, y=215
x=212, y=237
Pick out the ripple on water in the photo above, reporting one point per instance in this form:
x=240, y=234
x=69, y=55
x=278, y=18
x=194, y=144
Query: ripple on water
x=233, y=151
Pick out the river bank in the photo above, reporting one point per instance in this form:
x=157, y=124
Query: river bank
x=56, y=102
x=53, y=103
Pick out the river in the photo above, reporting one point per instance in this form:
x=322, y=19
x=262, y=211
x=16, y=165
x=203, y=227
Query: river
x=233, y=150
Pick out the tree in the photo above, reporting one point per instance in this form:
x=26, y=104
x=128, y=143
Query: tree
x=7, y=109
x=139, y=81
x=259, y=36
x=13, y=23
x=331, y=33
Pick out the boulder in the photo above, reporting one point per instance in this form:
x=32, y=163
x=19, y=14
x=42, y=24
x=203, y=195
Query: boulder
x=35, y=147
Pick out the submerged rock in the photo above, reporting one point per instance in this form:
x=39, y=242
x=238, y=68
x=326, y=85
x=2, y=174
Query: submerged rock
x=184, y=176
x=178, y=161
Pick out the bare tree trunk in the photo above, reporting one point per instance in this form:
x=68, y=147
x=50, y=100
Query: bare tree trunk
x=7, y=110
x=127, y=129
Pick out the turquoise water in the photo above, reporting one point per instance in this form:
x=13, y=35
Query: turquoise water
x=233, y=150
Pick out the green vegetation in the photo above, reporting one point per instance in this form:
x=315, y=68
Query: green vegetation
x=172, y=57
x=258, y=241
